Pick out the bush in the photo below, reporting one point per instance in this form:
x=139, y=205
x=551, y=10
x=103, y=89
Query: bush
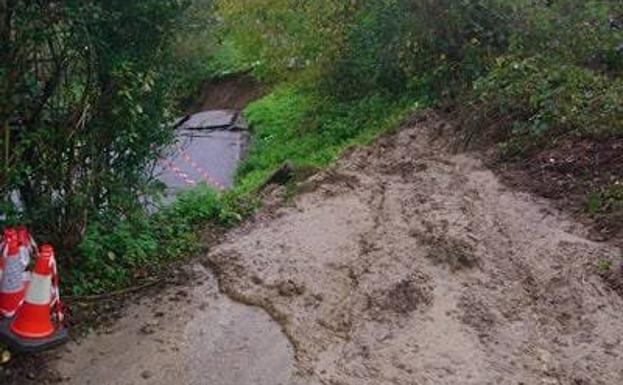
x=194, y=44
x=539, y=100
x=113, y=253
x=109, y=254
x=354, y=48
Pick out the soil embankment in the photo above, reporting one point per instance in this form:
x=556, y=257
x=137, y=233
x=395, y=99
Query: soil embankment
x=234, y=92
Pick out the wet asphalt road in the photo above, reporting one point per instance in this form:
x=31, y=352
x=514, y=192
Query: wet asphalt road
x=209, y=150
x=187, y=335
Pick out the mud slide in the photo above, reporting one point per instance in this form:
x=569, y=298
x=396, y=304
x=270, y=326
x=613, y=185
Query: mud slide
x=403, y=264
x=406, y=264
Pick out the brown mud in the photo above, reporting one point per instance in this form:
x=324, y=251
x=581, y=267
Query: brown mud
x=570, y=174
x=232, y=93
x=408, y=264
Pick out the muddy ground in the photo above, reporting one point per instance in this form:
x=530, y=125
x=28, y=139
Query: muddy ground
x=402, y=264
x=571, y=174
x=407, y=264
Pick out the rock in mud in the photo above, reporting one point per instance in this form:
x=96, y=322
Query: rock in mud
x=281, y=176
x=290, y=288
x=404, y=297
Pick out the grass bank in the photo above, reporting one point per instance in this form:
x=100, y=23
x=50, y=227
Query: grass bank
x=296, y=124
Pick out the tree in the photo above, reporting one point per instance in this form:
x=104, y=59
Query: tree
x=84, y=95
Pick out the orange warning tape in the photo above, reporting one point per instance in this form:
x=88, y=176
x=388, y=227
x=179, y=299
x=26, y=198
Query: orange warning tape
x=199, y=169
x=179, y=173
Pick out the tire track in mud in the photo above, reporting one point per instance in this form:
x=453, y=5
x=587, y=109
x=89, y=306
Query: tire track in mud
x=406, y=264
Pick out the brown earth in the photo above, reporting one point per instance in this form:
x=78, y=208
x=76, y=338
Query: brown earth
x=572, y=172
x=407, y=264
x=230, y=93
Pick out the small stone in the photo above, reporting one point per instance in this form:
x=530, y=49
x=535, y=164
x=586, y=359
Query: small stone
x=146, y=374
x=290, y=288
x=149, y=328
x=5, y=357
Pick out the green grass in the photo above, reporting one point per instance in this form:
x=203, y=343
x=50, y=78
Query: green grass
x=608, y=200
x=295, y=124
x=604, y=266
x=114, y=252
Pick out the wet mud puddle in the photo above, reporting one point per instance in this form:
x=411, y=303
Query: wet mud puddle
x=186, y=335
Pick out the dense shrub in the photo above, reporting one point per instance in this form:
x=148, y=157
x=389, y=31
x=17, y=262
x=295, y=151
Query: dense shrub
x=434, y=48
x=537, y=100
x=561, y=78
x=193, y=45
x=356, y=47
x=114, y=253
x=85, y=88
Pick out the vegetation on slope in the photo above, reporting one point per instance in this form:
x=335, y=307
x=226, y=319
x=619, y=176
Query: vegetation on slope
x=540, y=79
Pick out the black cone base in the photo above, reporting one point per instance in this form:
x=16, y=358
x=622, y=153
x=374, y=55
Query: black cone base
x=27, y=345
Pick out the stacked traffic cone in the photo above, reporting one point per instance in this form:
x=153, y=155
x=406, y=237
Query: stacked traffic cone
x=12, y=285
x=38, y=324
x=37, y=308
x=34, y=318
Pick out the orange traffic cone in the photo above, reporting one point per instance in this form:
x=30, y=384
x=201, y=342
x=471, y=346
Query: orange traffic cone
x=33, y=319
x=12, y=285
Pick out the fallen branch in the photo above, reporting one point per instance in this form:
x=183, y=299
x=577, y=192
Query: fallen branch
x=111, y=295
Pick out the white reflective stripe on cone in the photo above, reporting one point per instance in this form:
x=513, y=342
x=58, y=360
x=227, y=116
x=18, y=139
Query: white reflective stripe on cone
x=3, y=254
x=40, y=290
x=26, y=277
x=24, y=254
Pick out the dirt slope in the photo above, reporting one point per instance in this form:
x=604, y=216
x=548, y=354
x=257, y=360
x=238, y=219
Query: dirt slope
x=234, y=92
x=406, y=264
